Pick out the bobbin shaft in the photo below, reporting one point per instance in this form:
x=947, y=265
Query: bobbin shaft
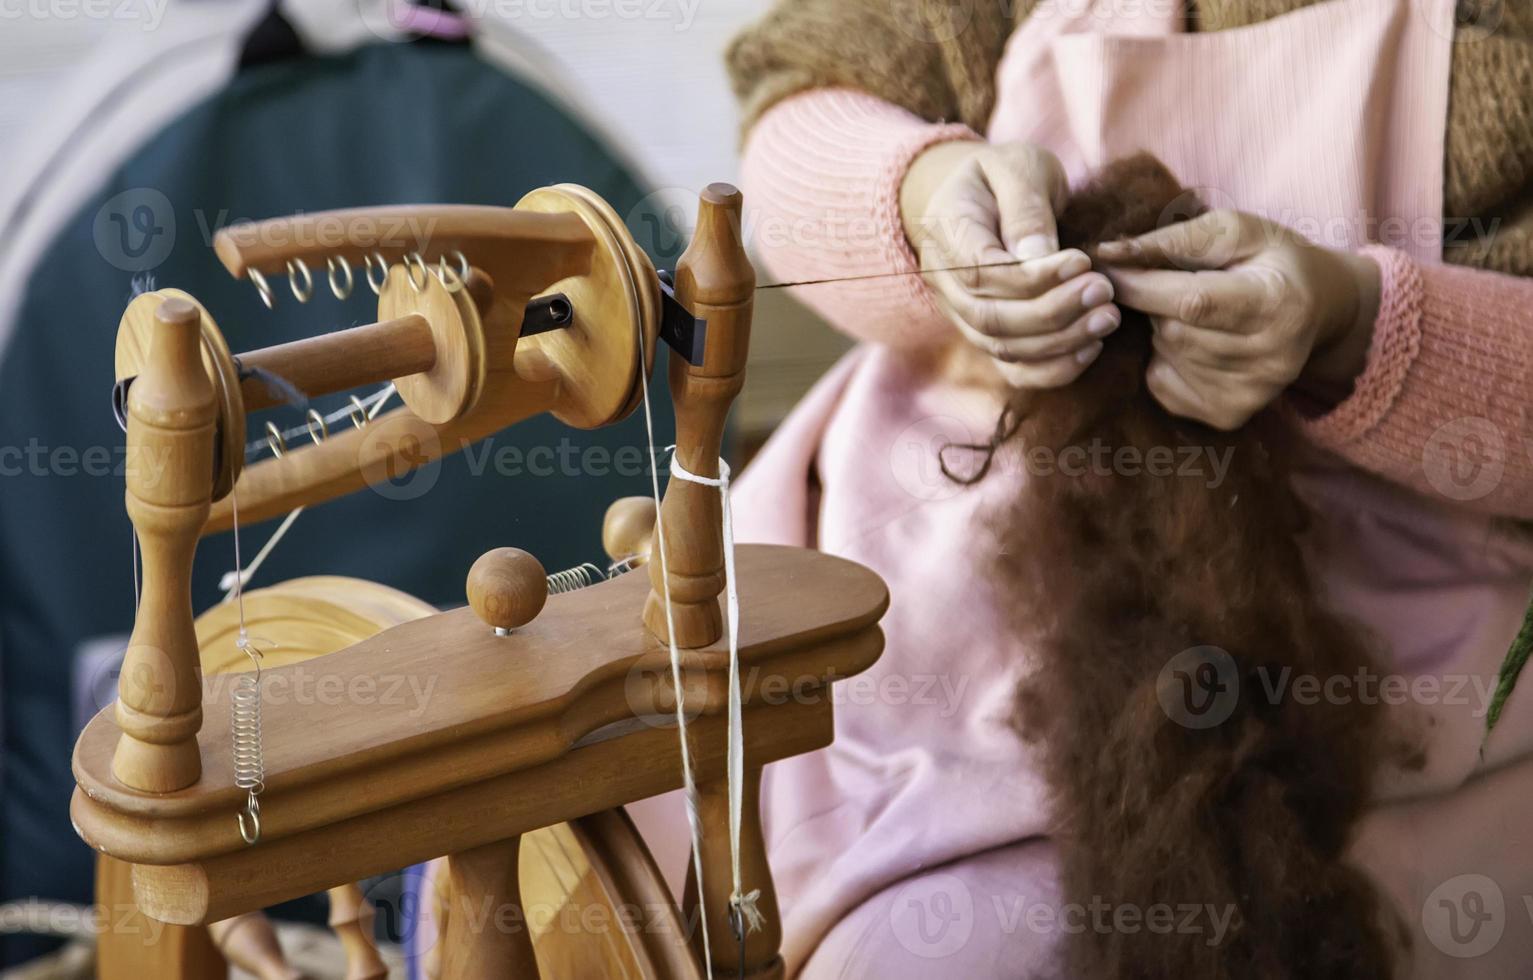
x=341, y=360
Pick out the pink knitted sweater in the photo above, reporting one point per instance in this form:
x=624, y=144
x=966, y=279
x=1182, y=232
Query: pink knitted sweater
x=1444, y=406
x=921, y=842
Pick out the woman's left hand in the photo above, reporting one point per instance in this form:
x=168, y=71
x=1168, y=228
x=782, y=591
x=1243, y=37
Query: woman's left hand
x=1242, y=309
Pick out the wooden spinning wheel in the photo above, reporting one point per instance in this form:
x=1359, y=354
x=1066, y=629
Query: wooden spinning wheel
x=592, y=865
x=547, y=712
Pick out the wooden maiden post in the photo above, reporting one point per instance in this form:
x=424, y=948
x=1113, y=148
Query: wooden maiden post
x=171, y=419
x=715, y=281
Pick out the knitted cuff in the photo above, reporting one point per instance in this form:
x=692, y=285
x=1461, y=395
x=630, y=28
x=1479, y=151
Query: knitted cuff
x=824, y=170
x=898, y=253
x=1396, y=342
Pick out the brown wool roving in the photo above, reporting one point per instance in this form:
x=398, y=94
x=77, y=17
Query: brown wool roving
x=1118, y=577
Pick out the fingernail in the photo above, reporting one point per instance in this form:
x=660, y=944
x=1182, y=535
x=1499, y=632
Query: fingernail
x=1073, y=266
x=1088, y=354
x=1118, y=250
x=1103, y=322
x=1096, y=294
x=1035, y=247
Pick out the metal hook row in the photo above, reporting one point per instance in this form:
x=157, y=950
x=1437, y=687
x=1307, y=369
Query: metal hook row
x=318, y=426
x=341, y=278
x=360, y=411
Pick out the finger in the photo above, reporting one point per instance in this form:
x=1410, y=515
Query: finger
x=1175, y=394
x=1029, y=187
x=1209, y=241
x=1199, y=345
x=1088, y=329
x=1006, y=277
x=1053, y=373
x=1217, y=300
x=1007, y=318
x=1216, y=398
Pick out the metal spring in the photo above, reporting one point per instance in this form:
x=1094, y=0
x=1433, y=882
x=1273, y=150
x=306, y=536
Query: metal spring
x=574, y=578
x=245, y=733
x=587, y=574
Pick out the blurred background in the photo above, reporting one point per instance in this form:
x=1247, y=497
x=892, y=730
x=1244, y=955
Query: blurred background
x=130, y=131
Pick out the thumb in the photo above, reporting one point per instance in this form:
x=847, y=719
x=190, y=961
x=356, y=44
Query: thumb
x=1029, y=187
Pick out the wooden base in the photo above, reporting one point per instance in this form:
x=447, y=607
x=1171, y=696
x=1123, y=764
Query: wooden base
x=562, y=718
x=598, y=776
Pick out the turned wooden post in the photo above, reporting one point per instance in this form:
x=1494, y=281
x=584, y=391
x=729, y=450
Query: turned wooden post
x=761, y=946
x=171, y=422
x=488, y=935
x=715, y=281
x=351, y=919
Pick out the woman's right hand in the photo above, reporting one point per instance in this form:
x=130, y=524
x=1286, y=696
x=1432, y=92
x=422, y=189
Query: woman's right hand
x=971, y=211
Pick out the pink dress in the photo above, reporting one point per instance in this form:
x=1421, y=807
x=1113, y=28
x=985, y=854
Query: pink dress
x=918, y=844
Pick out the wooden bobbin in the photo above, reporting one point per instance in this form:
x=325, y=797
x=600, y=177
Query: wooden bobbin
x=451, y=386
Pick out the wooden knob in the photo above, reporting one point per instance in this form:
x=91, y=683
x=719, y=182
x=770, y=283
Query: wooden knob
x=628, y=529
x=507, y=588
x=177, y=310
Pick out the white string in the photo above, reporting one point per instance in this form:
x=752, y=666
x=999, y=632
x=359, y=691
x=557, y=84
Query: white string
x=689, y=785
x=133, y=532
x=240, y=575
x=745, y=903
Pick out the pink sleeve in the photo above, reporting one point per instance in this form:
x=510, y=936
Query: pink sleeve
x=1445, y=403
x=821, y=176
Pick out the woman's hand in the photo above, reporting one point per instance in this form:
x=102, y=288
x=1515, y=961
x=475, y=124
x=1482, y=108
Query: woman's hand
x=971, y=210
x=1242, y=309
